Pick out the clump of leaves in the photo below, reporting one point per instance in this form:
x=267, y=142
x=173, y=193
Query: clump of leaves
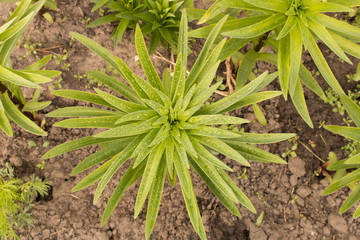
x=288, y=27
x=164, y=128
x=13, y=105
x=161, y=20
x=158, y=18
x=122, y=11
x=348, y=168
x=16, y=198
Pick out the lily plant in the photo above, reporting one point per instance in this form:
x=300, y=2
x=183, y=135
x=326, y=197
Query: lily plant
x=288, y=27
x=163, y=128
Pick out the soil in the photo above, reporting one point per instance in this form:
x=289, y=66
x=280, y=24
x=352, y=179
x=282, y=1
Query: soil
x=288, y=195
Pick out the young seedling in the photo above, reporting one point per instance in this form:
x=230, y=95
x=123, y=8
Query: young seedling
x=16, y=198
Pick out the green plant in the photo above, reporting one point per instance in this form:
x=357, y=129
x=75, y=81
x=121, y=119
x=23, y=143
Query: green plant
x=164, y=128
x=16, y=198
x=30, y=47
x=41, y=165
x=61, y=59
x=291, y=152
x=123, y=11
x=12, y=102
x=159, y=18
x=348, y=170
x=287, y=26
x=162, y=20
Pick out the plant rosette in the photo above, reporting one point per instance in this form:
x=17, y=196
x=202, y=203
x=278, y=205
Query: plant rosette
x=164, y=128
x=288, y=27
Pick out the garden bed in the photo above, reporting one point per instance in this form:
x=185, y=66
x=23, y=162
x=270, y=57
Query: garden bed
x=289, y=195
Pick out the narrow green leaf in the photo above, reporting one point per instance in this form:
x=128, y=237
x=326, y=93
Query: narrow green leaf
x=130, y=129
x=208, y=156
x=205, y=51
x=224, y=199
x=35, y=106
x=216, y=119
x=73, y=145
x=349, y=132
x=155, y=198
x=117, y=163
x=351, y=177
x=290, y=23
x=129, y=178
x=149, y=176
x=137, y=116
x=92, y=122
x=353, y=160
x=351, y=108
x=115, y=84
x=120, y=30
x=295, y=58
x=100, y=156
x=299, y=102
x=82, y=112
x=256, y=138
x=223, y=148
x=167, y=81
x=119, y=103
x=7, y=75
x=272, y=5
x=308, y=80
x=148, y=89
x=259, y=28
x=5, y=124
x=284, y=64
x=245, y=68
x=259, y=115
x=130, y=77
x=215, y=177
x=334, y=24
x=18, y=117
x=213, y=132
x=252, y=99
x=242, y=198
x=233, y=98
x=97, y=48
x=82, y=96
x=145, y=61
x=255, y=154
x=327, y=7
x=343, y=164
x=183, y=175
x=353, y=198
x=322, y=65
x=39, y=64
x=348, y=46
x=326, y=37
x=103, y=20
x=94, y=176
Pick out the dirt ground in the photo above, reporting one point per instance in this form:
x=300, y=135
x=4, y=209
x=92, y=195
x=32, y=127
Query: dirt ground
x=289, y=195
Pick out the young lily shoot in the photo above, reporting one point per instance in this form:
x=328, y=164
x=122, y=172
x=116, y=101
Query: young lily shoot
x=164, y=128
x=288, y=27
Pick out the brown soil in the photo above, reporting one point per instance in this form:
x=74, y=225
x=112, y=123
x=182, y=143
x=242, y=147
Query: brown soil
x=271, y=187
